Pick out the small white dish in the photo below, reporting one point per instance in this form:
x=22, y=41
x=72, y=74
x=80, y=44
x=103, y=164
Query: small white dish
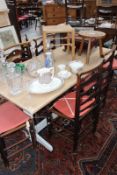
x=64, y=74
x=75, y=66
x=61, y=67
x=37, y=88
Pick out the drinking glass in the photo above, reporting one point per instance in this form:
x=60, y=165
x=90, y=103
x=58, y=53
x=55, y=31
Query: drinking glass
x=15, y=83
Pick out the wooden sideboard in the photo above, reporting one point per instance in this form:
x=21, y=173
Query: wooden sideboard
x=55, y=14
x=90, y=8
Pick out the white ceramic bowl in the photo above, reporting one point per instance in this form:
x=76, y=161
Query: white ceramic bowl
x=64, y=74
x=61, y=67
x=75, y=66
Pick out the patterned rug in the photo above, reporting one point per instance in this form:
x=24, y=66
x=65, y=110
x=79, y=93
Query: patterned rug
x=97, y=155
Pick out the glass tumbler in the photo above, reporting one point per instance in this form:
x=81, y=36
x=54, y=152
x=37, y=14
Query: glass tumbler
x=15, y=83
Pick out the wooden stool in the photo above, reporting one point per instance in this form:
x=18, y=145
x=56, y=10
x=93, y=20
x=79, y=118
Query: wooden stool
x=60, y=29
x=89, y=36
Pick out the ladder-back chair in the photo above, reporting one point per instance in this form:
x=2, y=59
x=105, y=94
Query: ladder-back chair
x=107, y=73
x=75, y=106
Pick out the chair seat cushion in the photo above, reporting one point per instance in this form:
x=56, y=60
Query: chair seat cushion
x=11, y=116
x=66, y=105
x=24, y=17
x=114, y=66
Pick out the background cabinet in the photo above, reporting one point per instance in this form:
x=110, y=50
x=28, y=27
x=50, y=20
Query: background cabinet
x=55, y=14
x=90, y=8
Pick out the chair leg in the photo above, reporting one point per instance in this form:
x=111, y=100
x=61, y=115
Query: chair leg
x=33, y=135
x=76, y=135
x=3, y=152
x=95, y=119
x=49, y=123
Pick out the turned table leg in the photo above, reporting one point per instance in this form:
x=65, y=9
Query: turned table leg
x=88, y=51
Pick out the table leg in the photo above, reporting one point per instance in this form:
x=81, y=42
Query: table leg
x=68, y=42
x=44, y=42
x=73, y=45
x=81, y=47
x=100, y=48
x=88, y=51
x=38, y=127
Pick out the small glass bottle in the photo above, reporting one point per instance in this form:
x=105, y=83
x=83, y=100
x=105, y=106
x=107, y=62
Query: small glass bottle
x=48, y=59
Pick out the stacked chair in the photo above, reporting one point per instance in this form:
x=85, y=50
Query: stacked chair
x=85, y=100
x=107, y=73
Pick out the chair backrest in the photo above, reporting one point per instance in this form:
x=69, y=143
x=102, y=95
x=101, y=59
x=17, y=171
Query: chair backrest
x=105, y=14
x=76, y=5
x=106, y=73
x=39, y=44
x=87, y=93
x=19, y=52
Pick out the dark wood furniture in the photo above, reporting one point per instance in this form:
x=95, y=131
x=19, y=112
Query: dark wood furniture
x=58, y=13
x=55, y=14
x=107, y=15
x=107, y=73
x=11, y=123
x=19, y=52
x=77, y=105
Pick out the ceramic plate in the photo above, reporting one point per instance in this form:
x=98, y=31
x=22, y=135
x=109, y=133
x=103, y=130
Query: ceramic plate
x=37, y=88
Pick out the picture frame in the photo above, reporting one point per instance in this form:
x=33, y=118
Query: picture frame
x=8, y=37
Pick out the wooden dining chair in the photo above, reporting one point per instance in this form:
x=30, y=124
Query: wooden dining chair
x=114, y=68
x=13, y=121
x=19, y=52
x=79, y=6
x=39, y=44
x=77, y=105
x=107, y=73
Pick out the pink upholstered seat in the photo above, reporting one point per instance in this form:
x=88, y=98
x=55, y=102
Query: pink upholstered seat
x=66, y=105
x=114, y=65
x=11, y=117
x=23, y=17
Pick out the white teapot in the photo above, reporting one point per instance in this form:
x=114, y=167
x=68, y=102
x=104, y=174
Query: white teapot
x=45, y=75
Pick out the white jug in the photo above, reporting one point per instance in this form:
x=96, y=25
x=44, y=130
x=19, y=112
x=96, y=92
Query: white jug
x=45, y=75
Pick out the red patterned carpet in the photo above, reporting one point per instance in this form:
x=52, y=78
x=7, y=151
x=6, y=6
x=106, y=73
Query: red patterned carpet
x=96, y=154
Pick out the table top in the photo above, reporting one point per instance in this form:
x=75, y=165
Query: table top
x=32, y=103
x=92, y=34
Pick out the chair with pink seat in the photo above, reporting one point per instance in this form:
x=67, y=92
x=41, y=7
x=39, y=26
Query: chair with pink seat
x=77, y=105
x=12, y=121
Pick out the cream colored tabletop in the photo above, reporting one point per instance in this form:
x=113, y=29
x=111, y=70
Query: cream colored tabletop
x=33, y=103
